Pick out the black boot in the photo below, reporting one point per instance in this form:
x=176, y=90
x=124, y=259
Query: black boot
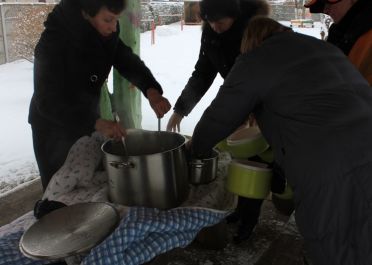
x=249, y=211
x=243, y=233
x=233, y=217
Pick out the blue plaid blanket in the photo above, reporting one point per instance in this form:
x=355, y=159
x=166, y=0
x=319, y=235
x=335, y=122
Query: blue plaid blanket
x=141, y=235
x=10, y=253
x=147, y=232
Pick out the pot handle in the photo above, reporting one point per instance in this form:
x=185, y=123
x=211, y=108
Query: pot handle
x=121, y=164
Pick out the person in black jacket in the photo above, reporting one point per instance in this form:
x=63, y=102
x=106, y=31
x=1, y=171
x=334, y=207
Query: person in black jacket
x=73, y=58
x=351, y=30
x=224, y=23
x=315, y=110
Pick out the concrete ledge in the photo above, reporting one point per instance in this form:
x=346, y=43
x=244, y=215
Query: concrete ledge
x=19, y=200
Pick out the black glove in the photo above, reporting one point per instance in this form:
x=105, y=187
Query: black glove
x=42, y=207
x=278, y=180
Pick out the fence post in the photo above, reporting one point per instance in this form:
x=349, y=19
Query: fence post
x=4, y=34
x=152, y=32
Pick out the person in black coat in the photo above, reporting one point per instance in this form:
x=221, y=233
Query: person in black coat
x=315, y=110
x=224, y=23
x=73, y=58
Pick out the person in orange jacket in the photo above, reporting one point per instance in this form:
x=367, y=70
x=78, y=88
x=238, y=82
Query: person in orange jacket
x=351, y=30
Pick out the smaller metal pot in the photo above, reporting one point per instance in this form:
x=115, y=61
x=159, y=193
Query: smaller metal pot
x=202, y=171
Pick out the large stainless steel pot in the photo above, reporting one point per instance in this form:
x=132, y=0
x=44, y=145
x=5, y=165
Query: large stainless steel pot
x=154, y=174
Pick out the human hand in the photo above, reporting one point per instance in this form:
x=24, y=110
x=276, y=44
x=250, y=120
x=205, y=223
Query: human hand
x=110, y=129
x=158, y=103
x=174, y=122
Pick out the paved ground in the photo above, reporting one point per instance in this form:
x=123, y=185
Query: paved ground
x=275, y=241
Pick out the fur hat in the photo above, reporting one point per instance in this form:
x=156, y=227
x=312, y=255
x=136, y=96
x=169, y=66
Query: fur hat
x=212, y=10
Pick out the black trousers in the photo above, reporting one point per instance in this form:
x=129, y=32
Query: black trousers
x=249, y=210
x=51, y=148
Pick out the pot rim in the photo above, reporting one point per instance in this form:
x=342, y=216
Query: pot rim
x=256, y=134
x=150, y=154
x=215, y=155
x=247, y=164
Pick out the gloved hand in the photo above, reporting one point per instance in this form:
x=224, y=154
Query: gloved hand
x=174, y=122
x=278, y=180
x=43, y=207
x=190, y=154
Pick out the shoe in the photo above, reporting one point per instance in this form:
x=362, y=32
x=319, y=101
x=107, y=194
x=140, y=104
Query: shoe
x=306, y=260
x=244, y=233
x=278, y=180
x=43, y=207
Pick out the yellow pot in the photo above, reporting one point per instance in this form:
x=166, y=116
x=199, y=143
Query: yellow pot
x=286, y=195
x=246, y=142
x=249, y=179
x=267, y=155
x=222, y=146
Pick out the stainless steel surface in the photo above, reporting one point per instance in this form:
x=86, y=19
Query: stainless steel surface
x=69, y=231
x=202, y=171
x=159, y=124
x=124, y=147
x=156, y=173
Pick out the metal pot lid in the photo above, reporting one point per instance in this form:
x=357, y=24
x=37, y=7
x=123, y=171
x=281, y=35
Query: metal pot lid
x=69, y=231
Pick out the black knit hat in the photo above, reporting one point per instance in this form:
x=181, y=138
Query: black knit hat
x=212, y=10
x=315, y=6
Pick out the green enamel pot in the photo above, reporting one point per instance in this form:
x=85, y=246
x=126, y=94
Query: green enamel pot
x=284, y=202
x=249, y=179
x=222, y=146
x=286, y=195
x=267, y=155
x=246, y=142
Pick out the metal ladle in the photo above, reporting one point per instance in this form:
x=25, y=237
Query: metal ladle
x=117, y=119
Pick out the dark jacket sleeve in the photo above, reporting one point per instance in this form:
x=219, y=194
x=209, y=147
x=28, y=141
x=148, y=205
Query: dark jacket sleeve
x=237, y=98
x=52, y=99
x=198, y=84
x=131, y=67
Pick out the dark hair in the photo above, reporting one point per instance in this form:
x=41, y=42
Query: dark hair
x=92, y=7
x=213, y=10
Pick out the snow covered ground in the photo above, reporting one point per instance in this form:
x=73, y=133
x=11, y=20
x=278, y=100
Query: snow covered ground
x=171, y=60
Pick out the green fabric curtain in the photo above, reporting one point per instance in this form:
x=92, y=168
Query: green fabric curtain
x=105, y=103
x=126, y=98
